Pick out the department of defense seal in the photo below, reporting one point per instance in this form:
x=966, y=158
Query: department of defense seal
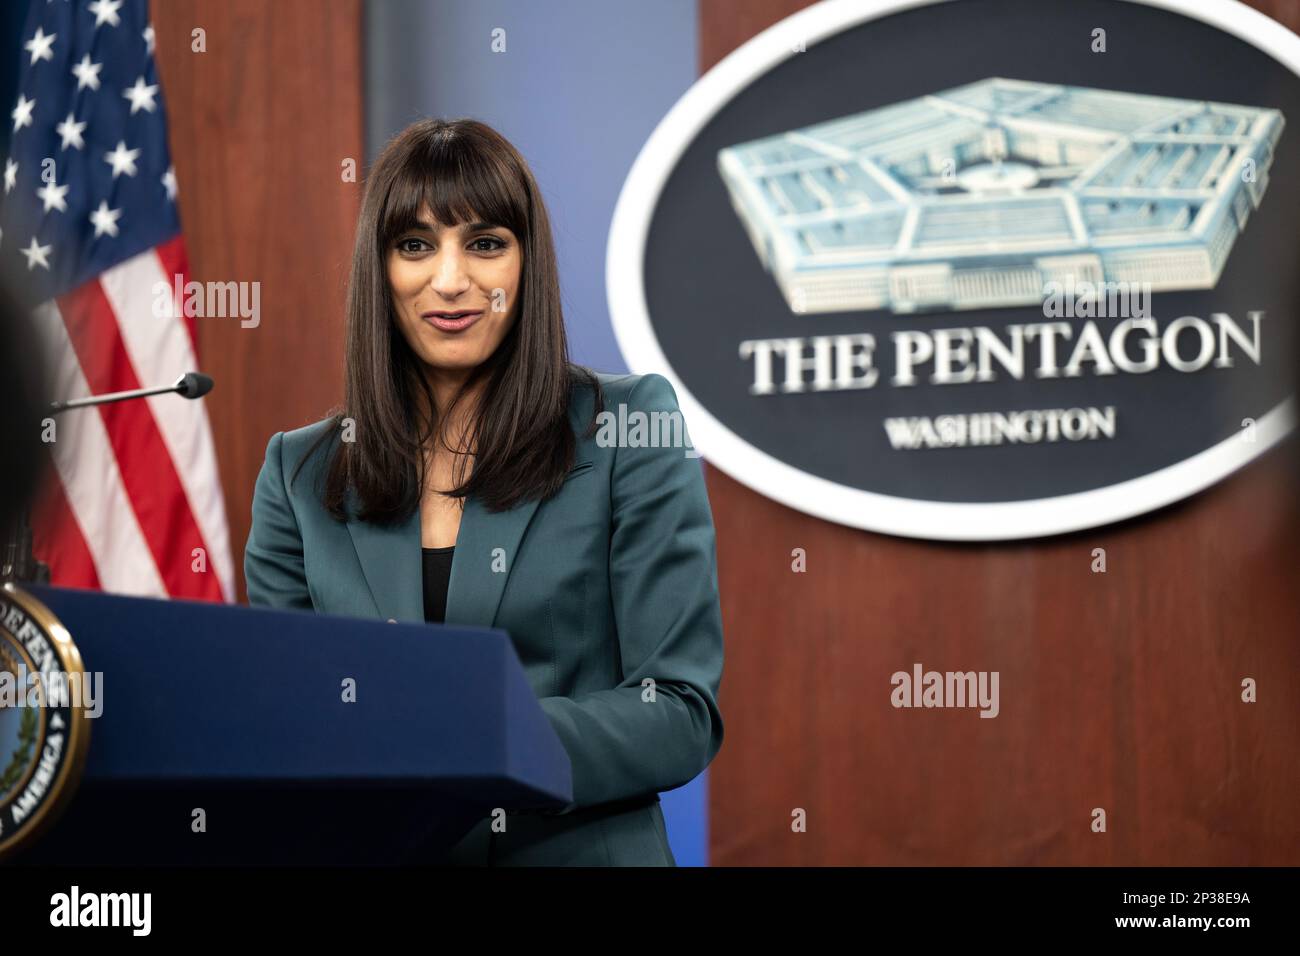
x=44, y=733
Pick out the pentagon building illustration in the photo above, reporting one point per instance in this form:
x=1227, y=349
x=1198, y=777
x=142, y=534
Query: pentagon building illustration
x=979, y=196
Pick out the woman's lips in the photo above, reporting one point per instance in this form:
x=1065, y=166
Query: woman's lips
x=448, y=324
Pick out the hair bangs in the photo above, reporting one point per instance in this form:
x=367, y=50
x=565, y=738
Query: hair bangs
x=456, y=182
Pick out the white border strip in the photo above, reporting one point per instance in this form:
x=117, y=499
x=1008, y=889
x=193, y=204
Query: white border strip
x=819, y=497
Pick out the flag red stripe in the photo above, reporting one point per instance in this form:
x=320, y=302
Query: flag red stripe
x=56, y=536
x=175, y=261
x=147, y=470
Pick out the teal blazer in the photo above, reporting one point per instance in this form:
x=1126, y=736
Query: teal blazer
x=608, y=584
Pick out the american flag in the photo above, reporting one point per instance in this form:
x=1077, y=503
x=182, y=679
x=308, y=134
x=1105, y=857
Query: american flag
x=133, y=504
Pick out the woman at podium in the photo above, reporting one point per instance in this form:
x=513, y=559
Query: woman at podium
x=474, y=476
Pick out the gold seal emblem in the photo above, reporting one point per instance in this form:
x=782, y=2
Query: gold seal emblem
x=44, y=732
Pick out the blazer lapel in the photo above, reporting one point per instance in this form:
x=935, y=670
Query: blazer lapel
x=391, y=561
x=486, y=545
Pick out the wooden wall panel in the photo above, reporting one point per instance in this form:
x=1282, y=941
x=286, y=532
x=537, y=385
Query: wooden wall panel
x=1118, y=690
x=260, y=125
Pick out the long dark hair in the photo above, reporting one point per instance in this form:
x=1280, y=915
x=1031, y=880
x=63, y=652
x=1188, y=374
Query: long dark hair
x=519, y=433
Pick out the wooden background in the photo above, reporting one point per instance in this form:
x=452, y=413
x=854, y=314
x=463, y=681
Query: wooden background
x=1119, y=691
x=260, y=126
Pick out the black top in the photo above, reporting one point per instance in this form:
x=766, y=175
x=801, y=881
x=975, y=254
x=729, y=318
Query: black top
x=437, y=576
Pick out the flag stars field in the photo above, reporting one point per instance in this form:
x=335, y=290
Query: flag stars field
x=87, y=73
x=41, y=47
x=141, y=96
x=37, y=255
x=105, y=11
x=105, y=220
x=70, y=132
x=22, y=113
x=122, y=159
x=53, y=196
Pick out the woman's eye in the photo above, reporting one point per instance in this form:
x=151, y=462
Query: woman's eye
x=493, y=244
x=411, y=245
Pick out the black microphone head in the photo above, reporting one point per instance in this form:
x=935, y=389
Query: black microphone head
x=194, y=385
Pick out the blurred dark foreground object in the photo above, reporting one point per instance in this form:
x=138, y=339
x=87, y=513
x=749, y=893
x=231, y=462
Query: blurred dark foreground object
x=22, y=396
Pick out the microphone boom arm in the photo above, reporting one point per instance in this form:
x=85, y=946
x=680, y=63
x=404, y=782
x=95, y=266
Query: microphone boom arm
x=189, y=385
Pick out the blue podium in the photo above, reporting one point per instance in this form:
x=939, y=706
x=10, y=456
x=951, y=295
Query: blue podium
x=296, y=738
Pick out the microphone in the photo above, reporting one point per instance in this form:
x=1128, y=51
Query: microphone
x=194, y=385
x=190, y=385
x=17, y=561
